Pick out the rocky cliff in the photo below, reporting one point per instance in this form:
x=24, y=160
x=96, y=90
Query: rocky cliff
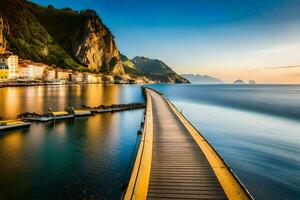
x=63, y=37
x=76, y=40
x=153, y=69
x=93, y=45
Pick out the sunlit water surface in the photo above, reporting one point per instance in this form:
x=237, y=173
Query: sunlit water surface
x=256, y=129
x=84, y=158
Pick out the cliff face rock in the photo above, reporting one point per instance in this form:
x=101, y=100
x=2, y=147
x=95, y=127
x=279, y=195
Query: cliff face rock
x=71, y=39
x=61, y=37
x=153, y=66
x=153, y=69
x=93, y=45
x=2, y=38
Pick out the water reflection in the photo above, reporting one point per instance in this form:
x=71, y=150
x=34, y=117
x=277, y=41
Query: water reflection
x=10, y=102
x=84, y=158
x=38, y=99
x=12, y=144
x=254, y=128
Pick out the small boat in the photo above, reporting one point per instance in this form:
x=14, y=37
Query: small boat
x=13, y=124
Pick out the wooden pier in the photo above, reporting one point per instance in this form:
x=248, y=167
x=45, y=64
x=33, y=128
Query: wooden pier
x=174, y=161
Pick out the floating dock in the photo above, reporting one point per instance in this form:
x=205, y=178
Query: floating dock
x=62, y=115
x=40, y=119
x=174, y=161
x=13, y=124
x=79, y=113
x=70, y=112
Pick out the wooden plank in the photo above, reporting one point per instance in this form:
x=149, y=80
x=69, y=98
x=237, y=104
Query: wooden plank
x=175, y=162
x=178, y=169
x=230, y=183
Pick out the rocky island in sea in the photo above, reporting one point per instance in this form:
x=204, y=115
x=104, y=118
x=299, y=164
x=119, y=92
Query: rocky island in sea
x=48, y=45
x=239, y=81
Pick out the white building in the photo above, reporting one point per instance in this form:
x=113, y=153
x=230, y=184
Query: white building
x=89, y=78
x=12, y=62
x=30, y=70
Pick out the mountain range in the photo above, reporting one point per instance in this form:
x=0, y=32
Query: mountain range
x=205, y=79
x=70, y=39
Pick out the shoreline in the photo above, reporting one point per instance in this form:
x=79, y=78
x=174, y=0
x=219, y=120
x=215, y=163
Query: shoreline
x=52, y=84
x=6, y=85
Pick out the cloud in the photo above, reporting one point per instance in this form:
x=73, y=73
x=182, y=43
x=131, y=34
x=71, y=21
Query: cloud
x=284, y=67
x=292, y=47
x=274, y=68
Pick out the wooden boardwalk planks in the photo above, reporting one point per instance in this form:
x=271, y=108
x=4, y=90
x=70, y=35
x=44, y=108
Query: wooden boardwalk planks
x=179, y=169
x=174, y=160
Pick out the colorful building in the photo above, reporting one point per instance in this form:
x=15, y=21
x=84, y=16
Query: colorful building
x=59, y=74
x=77, y=77
x=3, y=72
x=12, y=62
x=50, y=74
x=30, y=70
x=63, y=74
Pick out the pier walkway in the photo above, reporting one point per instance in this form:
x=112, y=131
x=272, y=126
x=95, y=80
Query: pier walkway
x=175, y=162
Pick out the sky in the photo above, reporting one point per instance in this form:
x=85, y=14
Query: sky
x=228, y=39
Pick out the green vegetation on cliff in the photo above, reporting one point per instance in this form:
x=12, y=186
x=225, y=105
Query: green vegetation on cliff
x=29, y=39
x=61, y=37
x=153, y=69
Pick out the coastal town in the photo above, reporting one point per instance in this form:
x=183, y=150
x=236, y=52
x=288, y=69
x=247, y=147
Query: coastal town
x=18, y=72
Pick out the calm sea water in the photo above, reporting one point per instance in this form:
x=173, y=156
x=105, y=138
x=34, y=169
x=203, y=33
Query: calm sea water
x=84, y=158
x=255, y=128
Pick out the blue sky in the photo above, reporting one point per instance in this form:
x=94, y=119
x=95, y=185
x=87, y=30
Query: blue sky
x=230, y=39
